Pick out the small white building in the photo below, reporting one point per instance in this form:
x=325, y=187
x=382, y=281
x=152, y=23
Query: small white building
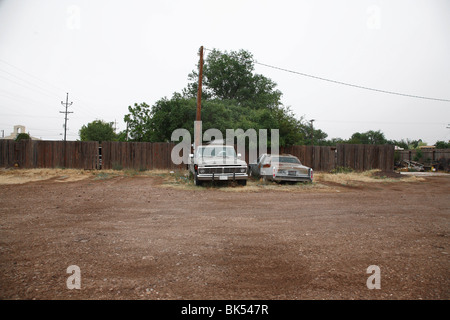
x=17, y=130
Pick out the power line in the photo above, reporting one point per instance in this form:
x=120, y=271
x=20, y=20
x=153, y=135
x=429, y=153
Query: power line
x=44, y=90
x=25, y=86
x=382, y=122
x=348, y=84
x=352, y=85
x=33, y=76
x=29, y=82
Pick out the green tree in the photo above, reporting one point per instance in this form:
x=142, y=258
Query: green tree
x=442, y=145
x=230, y=76
x=419, y=155
x=369, y=137
x=122, y=136
x=407, y=144
x=97, y=130
x=23, y=136
x=138, y=122
x=233, y=97
x=399, y=143
x=413, y=144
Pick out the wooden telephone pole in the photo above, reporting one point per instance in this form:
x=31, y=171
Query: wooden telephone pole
x=198, y=133
x=67, y=105
x=199, y=92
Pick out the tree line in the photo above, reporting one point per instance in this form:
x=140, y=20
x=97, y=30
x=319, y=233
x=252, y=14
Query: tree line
x=233, y=97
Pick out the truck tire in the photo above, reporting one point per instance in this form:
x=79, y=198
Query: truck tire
x=242, y=182
x=196, y=181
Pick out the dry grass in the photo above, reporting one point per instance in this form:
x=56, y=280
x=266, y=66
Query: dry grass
x=370, y=176
x=180, y=179
x=20, y=176
x=324, y=182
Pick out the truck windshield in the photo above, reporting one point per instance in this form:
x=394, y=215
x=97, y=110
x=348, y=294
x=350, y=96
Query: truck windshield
x=216, y=151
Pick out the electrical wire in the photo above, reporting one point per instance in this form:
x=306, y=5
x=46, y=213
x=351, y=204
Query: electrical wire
x=347, y=84
x=352, y=85
x=42, y=89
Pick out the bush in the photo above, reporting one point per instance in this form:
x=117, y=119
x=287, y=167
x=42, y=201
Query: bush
x=23, y=136
x=418, y=155
x=341, y=170
x=117, y=166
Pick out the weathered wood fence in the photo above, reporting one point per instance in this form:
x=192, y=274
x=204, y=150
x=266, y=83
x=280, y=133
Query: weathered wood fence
x=137, y=155
x=49, y=154
x=356, y=156
x=427, y=154
x=157, y=155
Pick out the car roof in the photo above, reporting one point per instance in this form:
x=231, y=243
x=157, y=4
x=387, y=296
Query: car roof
x=281, y=155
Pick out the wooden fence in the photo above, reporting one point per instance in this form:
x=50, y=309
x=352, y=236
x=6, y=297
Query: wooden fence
x=319, y=158
x=427, y=154
x=356, y=156
x=49, y=154
x=157, y=155
x=137, y=155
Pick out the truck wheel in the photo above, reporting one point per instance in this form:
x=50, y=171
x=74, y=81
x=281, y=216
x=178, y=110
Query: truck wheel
x=196, y=181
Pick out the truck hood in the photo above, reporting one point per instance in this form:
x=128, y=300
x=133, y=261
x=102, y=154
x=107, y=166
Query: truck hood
x=220, y=161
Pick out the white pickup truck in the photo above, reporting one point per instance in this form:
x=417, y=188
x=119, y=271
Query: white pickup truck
x=217, y=163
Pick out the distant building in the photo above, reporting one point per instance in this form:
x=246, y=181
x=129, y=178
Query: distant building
x=17, y=130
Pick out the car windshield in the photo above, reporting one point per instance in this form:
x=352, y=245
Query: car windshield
x=216, y=151
x=282, y=159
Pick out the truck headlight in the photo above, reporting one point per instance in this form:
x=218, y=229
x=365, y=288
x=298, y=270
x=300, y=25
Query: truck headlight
x=201, y=171
x=243, y=170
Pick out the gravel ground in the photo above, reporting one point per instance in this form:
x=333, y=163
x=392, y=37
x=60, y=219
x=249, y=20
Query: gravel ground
x=133, y=237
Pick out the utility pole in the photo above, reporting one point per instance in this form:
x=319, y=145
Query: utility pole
x=67, y=104
x=312, y=144
x=198, y=133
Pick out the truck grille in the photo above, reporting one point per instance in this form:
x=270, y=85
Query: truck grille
x=222, y=170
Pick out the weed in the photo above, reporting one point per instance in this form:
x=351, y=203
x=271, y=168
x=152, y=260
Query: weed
x=117, y=166
x=341, y=170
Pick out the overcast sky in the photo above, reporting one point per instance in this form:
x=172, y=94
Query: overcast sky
x=111, y=54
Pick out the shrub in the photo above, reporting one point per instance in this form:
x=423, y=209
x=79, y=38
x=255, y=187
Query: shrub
x=117, y=166
x=418, y=155
x=341, y=170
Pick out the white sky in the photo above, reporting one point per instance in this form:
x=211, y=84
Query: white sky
x=110, y=54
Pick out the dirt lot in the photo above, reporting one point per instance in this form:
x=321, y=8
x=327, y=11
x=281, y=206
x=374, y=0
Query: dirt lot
x=155, y=236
